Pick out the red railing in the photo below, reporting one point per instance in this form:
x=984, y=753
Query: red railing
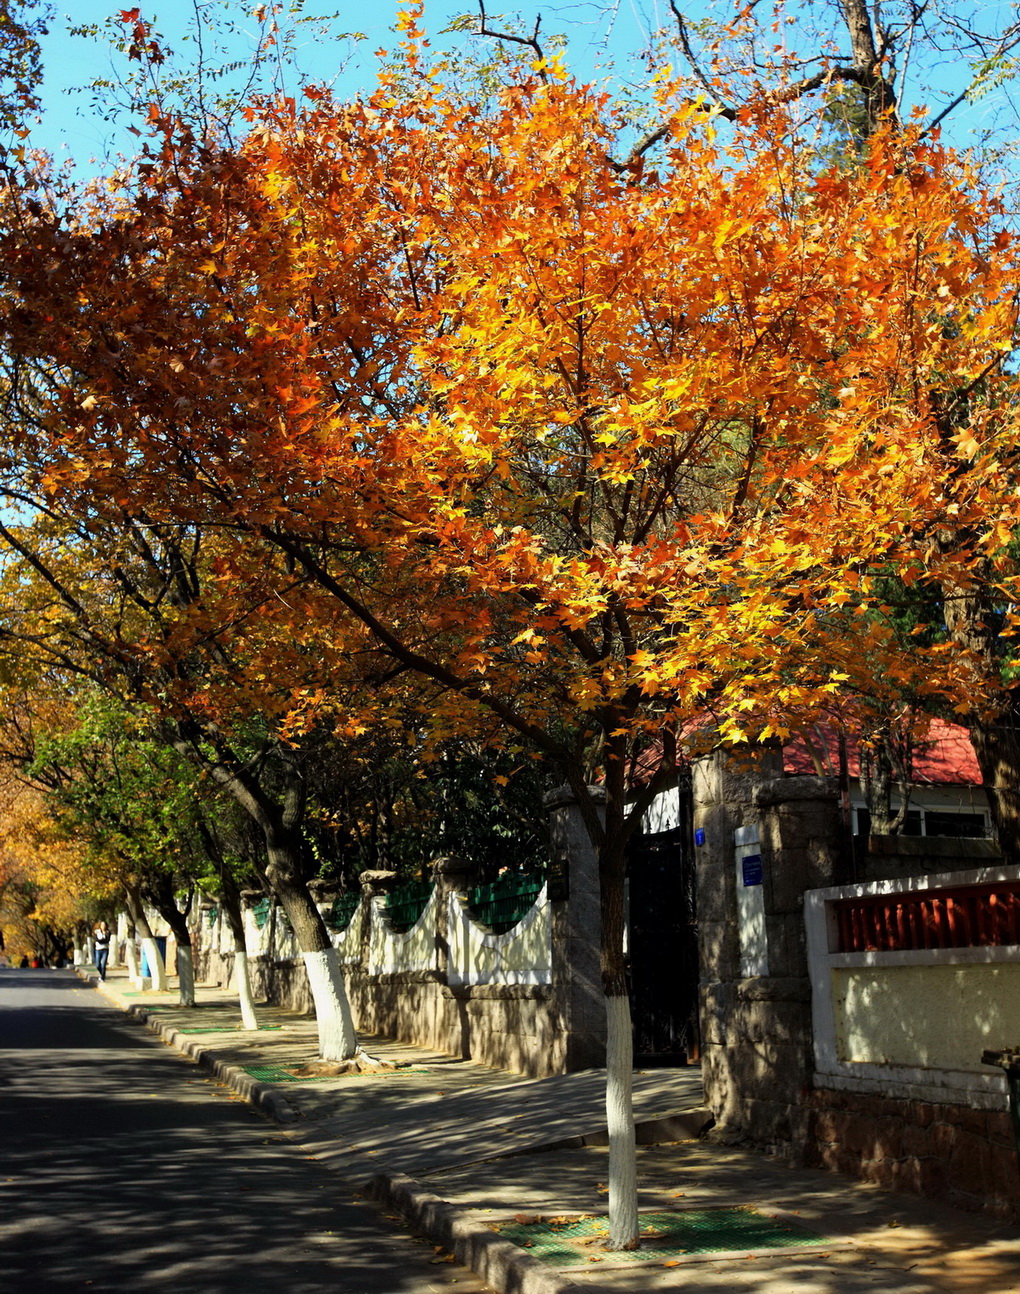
x=973, y=916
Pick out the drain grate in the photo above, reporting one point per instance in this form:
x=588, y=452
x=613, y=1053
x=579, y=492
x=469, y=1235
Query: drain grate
x=568, y=1241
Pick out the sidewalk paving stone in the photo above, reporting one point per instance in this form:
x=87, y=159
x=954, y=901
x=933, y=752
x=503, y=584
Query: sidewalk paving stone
x=474, y=1156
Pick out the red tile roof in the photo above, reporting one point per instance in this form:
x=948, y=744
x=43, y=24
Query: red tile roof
x=944, y=757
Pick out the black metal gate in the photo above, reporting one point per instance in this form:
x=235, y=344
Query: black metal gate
x=663, y=945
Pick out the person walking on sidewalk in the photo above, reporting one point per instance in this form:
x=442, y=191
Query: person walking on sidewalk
x=101, y=939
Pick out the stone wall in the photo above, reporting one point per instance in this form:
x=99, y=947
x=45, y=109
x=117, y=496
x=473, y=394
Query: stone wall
x=756, y=1029
x=520, y=1027
x=882, y=858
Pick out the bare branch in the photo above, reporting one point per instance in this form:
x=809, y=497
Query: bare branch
x=685, y=44
x=530, y=41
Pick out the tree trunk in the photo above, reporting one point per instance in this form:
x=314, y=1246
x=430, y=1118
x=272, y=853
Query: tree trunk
x=242, y=982
x=972, y=624
x=624, y=1231
x=162, y=896
x=157, y=970
x=230, y=900
x=879, y=98
x=997, y=747
x=280, y=823
x=877, y=785
x=186, y=973
x=131, y=956
x=338, y=1040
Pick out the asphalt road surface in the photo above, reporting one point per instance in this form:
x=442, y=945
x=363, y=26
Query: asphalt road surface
x=124, y=1167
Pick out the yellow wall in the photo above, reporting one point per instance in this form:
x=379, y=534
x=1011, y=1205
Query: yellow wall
x=934, y=1016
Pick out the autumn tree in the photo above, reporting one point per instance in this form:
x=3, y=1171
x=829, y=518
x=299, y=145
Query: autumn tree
x=49, y=895
x=22, y=23
x=131, y=801
x=157, y=617
x=593, y=450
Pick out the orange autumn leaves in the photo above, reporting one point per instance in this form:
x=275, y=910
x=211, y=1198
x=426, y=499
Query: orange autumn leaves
x=634, y=439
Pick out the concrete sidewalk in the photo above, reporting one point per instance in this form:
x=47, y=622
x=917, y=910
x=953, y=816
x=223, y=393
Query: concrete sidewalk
x=473, y=1156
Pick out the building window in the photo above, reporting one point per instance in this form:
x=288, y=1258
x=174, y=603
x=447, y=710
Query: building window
x=930, y=822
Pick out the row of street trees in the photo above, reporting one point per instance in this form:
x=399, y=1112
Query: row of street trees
x=456, y=414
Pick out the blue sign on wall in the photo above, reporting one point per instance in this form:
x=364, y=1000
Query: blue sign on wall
x=752, y=869
x=699, y=836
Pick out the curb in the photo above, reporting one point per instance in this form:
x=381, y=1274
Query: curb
x=260, y=1095
x=499, y=1263
x=255, y=1093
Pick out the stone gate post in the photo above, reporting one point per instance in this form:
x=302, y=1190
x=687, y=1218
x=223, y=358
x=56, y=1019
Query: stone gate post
x=767, y=838
x=577, y=925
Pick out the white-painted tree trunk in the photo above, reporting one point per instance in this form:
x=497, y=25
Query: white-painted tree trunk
x=80, y=953
x=623, y=1212
x=242, y=980
x=186, y=975
x=157, y=970
x=131, y=954
x=337, y=1038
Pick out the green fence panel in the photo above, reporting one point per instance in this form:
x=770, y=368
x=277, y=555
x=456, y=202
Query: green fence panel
x=261, y=912
x=504, y=902
x=406, y=903
x=341, y=914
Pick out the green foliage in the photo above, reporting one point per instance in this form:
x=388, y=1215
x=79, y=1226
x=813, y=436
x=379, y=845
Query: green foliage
x=128, y=797
x=393, y=811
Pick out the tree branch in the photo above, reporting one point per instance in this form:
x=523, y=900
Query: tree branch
x=530, y=41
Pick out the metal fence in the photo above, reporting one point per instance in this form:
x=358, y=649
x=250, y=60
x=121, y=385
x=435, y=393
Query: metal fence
x=341, y=914
x=406, y=903
x=502, y=903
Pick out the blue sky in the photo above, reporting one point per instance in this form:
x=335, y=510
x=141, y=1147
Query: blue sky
x=70, y=123
x=597, y=31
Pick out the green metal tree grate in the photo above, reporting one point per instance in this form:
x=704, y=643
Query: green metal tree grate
x=229, y=1028
x=276, y=1074
x=566, y=1242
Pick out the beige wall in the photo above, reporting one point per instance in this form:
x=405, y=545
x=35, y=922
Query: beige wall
x=522, y=955
x=936, y=1016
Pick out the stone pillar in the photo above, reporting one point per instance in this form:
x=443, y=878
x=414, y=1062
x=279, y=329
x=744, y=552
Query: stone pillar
x=374, y=884
x=767, y=839
x=451, y=875
x=577, y=925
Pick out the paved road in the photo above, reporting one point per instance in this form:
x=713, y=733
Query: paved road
x=123, y=1167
